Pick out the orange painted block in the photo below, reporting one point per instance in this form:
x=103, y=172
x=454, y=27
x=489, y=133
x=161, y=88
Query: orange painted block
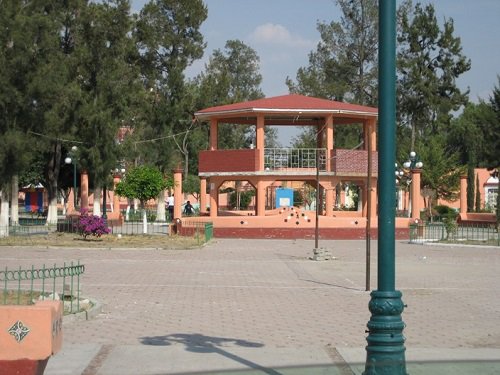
x=30, y=332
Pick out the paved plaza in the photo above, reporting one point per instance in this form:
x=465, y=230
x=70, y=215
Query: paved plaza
x=262, y=307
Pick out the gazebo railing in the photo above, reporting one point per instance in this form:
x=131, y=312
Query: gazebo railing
x=294, y=158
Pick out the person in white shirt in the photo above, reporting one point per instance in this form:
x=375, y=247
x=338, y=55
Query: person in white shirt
x=170, y=203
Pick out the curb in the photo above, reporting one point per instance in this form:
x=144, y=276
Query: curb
x=95, y=310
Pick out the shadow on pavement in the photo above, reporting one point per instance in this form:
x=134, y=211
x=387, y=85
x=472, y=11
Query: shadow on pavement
x=198, y=343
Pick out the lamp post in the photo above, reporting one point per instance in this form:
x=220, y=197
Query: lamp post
x=72, y=158
x=413, y=163
x=316, y=227
x=385, y=352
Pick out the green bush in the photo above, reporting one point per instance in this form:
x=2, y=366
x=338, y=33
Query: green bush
x=245, y=199
x=448, y=216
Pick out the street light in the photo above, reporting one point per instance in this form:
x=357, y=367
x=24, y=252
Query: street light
x=385, y=352
x=72, y=158
x=412, y=163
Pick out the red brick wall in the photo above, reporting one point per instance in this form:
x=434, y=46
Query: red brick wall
x=245, y=160
x=354, y=161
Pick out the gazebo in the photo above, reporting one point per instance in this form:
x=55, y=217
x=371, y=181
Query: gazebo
x=325, y=166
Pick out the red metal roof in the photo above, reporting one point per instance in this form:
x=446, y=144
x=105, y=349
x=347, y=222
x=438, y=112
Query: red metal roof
x=288, y=104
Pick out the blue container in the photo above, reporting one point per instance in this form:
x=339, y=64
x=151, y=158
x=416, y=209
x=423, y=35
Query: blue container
x=284, y=197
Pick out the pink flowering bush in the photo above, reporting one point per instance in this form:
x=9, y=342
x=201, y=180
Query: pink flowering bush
x=91, y=225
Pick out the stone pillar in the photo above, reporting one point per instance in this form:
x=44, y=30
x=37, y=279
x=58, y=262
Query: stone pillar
x=178, y=193
x=415, y=193
x=84, y=190
x=329, y=145
x=463, y=194
x=116, y=198
x=329, y=201
x=203, y=195
x=261, y=198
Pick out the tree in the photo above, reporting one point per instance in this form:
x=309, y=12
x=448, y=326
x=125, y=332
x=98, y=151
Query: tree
x=344, y=65
x=470, y=187
x=490, y=128
x=142, y=183
x=430, y=60
x=107, y=81
x=168, y=40
x=231, y=76
x=18, y=58
x=191, y=185
x=440, y=175
x=478, y=195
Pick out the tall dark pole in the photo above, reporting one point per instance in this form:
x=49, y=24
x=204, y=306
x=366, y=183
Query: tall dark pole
x=74, y=181
x=104, y=203
x=316, y=229
x=385, y=349
x=368, y=217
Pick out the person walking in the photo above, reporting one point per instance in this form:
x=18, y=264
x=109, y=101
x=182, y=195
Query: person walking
x=188, y=208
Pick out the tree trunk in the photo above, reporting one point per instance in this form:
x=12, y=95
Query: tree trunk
x=14, y=196
x=4, y=214
x=160, y=209
x=53, y=169
x=144, y=218
x=97, y=200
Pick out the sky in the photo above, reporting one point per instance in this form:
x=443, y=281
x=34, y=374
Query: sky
x=283, y=32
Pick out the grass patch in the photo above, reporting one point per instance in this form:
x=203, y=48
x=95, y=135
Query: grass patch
x=24, y=298
x=59, y=239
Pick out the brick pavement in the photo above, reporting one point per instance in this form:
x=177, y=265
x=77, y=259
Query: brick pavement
x=266, y=296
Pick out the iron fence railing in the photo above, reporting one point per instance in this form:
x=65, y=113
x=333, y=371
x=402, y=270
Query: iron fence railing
x=467, y=234
x=25, y=286
x=294, y=158
x=123, y=228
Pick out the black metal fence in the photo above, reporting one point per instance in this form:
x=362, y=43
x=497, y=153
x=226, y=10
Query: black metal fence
x=25, y=286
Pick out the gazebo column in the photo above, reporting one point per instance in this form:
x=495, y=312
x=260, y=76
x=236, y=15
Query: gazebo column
x=415, y=193
x=329, y=144
x=84, y=190
x=203, y=195
x=329, y=187
x=214, y=192
x=177, y=193
x=259, y=140
x=214, y=124
x=329, y=202
x=463, y=194
x=261, y=198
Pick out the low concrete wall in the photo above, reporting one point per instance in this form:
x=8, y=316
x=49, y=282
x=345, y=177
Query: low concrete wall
x=29, y=335
x=294, y=223
x=477, y=218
